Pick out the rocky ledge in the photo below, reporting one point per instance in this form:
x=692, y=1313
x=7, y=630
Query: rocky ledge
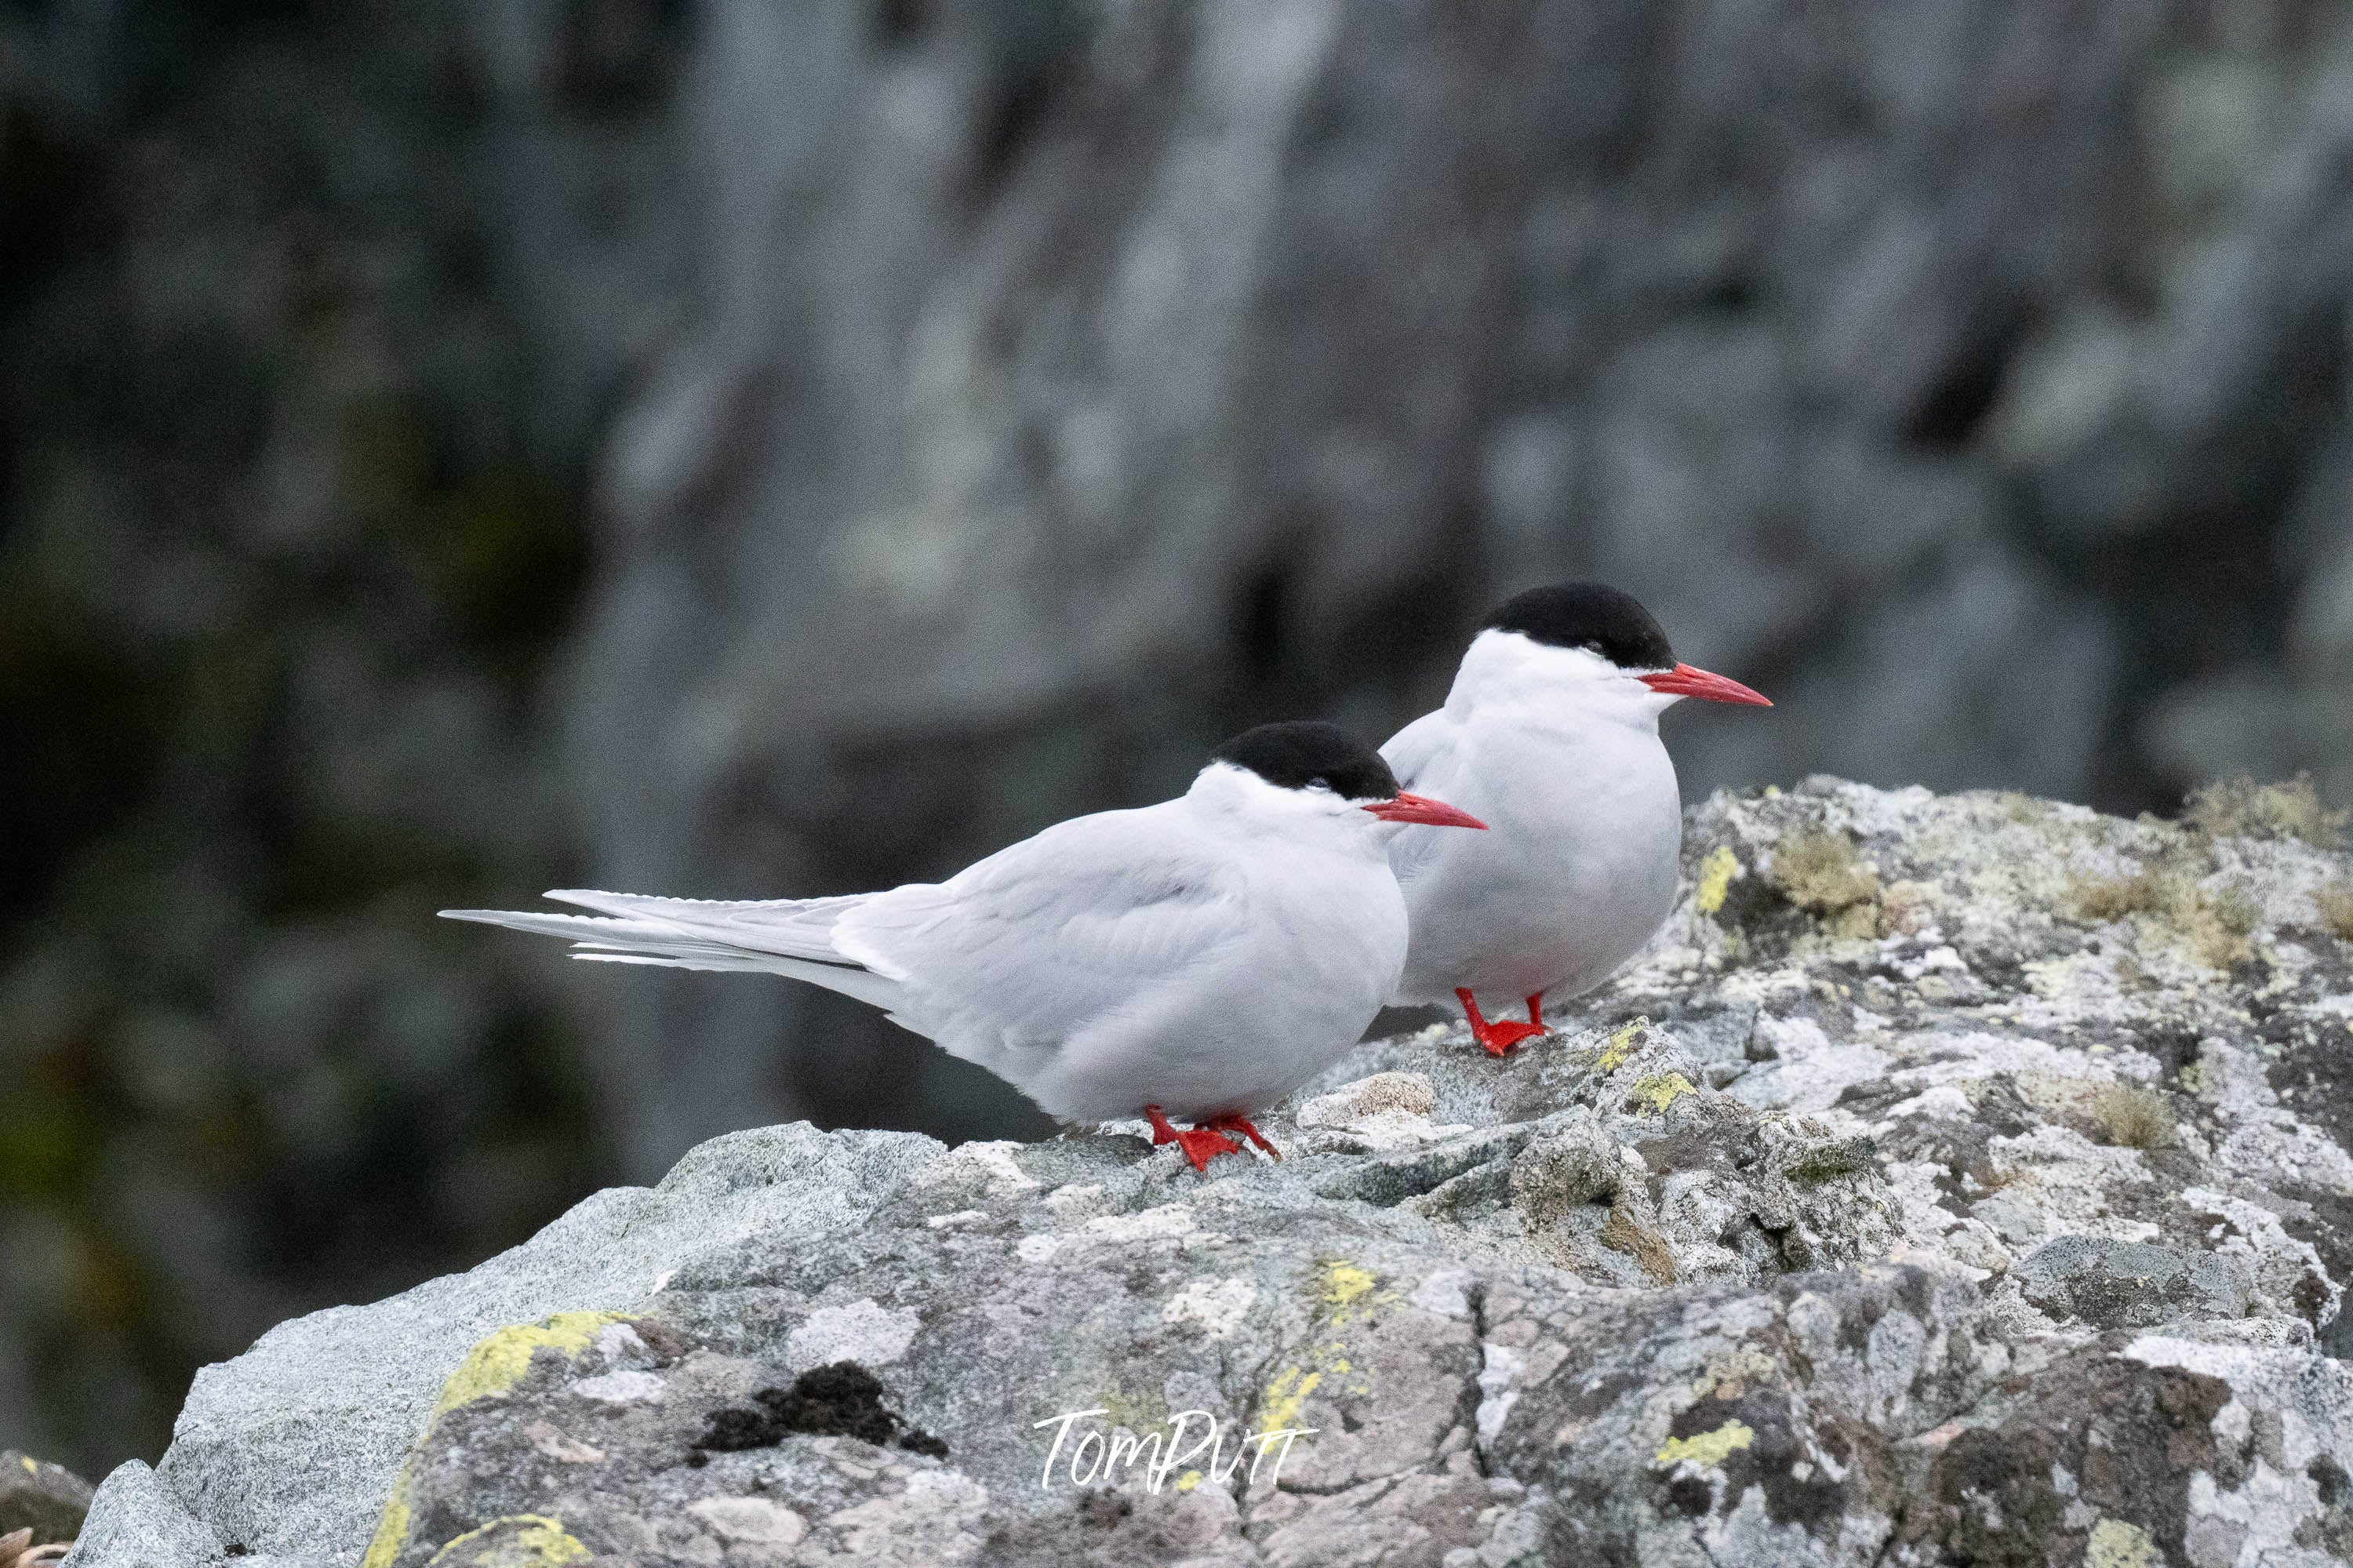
x=1955, y=1180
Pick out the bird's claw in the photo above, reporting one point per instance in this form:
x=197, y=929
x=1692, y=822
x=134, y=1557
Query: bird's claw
x=1198, y=1144
x=1238, y=1123
x=1499, y=1037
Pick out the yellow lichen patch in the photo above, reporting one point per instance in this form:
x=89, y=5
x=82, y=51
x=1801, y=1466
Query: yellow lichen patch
x=2116, y=1545
x=1342, y=1284
x=1715, y=874
x=1344, y=1291
x=392, y=1527
x=1620, y=1045
x=497, y=1363
x=518, y=1541
x=1661, y=1090
x=493, y=1366
x=1188, y=1480
x=1279, y=1406
x=1709, y=1449
x=2241, y=807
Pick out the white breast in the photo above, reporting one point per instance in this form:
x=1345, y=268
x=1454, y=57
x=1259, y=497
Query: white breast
x=1577, y=866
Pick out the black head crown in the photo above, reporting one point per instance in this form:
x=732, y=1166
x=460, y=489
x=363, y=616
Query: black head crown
x=1304, y=753
x=1592, y=616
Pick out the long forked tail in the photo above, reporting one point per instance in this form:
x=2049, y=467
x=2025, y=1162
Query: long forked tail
x=780, y=936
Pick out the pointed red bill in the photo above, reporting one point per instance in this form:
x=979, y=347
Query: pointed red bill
x=1684, y=681
x=1421, y=809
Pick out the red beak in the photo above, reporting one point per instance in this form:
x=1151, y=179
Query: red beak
x=1683, y=681
x=1421, y=809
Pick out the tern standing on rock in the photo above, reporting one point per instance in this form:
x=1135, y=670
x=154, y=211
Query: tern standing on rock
x=1199, y=959
x=1551, y=735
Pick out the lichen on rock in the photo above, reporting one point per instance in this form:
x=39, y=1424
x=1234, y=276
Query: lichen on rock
x=1902, y=1204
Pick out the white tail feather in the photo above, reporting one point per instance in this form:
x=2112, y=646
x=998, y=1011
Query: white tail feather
x=788, y=937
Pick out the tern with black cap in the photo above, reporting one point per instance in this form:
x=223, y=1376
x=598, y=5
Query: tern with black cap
x=1551, y=735
x=1196, y=960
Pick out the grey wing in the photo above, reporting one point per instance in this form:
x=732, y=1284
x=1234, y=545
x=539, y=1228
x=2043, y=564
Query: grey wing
x=1093, y=921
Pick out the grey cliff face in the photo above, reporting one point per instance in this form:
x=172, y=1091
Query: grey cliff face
x=1063, y=386
x=1954, y=1179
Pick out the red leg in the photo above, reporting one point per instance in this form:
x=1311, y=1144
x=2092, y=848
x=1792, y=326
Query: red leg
x=1241, y=1124
x=1200, y=1144
x=1535, y=1010
x=1499, y=1036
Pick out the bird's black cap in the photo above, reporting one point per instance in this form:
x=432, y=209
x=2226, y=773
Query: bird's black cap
x=1593, y=616
x=1303, y=753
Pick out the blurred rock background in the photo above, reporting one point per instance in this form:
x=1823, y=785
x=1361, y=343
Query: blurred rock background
x=768, y=447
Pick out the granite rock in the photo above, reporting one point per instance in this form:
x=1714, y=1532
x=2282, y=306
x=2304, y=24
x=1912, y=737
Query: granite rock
x=139, y=1523
x=1953, y=1180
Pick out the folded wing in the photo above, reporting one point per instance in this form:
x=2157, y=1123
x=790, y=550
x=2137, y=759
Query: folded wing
x=1103, y=921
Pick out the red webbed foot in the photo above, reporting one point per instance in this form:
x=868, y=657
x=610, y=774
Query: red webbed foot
x=1501, y=1036
x=1240, y=1124
x=1198, y=1144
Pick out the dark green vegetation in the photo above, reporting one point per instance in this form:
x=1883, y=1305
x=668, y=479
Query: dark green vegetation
x=278, y=578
